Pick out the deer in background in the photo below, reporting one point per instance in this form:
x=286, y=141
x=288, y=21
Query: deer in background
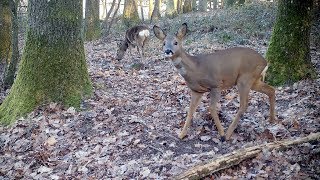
x=214, y=72
x=135, y=36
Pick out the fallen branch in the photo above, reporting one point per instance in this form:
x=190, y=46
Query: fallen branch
x=236, y=157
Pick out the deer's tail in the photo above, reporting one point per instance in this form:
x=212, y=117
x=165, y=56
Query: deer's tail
x=263, y=73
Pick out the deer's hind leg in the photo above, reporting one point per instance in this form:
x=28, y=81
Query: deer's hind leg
x=262, y=87
x=244, y=85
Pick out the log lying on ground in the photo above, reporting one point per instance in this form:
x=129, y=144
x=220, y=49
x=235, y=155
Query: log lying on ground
x=236, y=157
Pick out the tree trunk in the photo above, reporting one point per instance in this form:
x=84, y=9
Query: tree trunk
x=92, y=22
x=170, y=10
x=141, y=10
x=53, y=66
x=229, y=3
x=203, y=5
x=289, y=49
x=5, y=31
x=130, y=13
x=187, y=6
x=156, y=11
x=215, y=4
x=9, y=76
x=106, y=20
x=151, y=7
x=194, y=5
x=112, y=19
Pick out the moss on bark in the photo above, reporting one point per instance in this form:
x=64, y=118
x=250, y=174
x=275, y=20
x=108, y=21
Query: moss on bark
x=289, y=50
x=53, y=67
x=5, y=31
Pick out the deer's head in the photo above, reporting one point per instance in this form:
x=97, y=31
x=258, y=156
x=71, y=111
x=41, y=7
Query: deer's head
x=172, y=44
x=122, y=48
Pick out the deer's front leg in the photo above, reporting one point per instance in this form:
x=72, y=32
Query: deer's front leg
x=214, y=98
x=195, y=100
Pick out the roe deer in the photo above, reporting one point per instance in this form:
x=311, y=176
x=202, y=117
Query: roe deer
x=214, y=72
x=135, y=36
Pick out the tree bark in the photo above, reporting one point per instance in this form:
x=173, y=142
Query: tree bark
x=187, y=6
x=156, y=11
x=151, y=7
x=112, y=19
x=229, y=3
x=289, y=50
x=5, y=31
x=141, y=10
x=10, y=73
x=106, y=20
x=92, y=22
x=203, y=5
x=130, y=13
x=235, y=157
x=53, y=66
x=170, y=10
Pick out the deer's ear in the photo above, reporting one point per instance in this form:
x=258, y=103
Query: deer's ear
x=159, y=32
x=182, y=31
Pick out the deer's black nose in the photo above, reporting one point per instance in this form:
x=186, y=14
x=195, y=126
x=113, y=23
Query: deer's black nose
x=168, y=51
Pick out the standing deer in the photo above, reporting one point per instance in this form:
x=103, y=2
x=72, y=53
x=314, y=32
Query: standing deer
x=214, y=72
x=135, y=36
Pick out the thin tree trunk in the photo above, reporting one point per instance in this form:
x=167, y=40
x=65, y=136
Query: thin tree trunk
x=289, y=49
x=187, y=7
x=141, y=10
x=10, y=73
x=93, y=30
x=170, y=10
x=203, y=5
x=53, y=66
x=130, y=13
x=156, y=11
x=112, y=19
x=151, y=7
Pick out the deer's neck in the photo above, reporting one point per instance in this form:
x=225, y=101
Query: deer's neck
x=184, y=63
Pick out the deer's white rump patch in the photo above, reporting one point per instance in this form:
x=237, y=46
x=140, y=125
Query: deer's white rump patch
x=145, y=33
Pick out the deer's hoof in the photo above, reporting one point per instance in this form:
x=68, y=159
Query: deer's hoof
x=223, y=138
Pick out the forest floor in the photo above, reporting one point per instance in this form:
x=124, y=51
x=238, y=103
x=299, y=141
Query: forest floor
x=129, y=127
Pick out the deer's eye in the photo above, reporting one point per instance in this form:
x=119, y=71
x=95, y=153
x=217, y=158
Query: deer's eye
x=164, y=43
x=175, y=43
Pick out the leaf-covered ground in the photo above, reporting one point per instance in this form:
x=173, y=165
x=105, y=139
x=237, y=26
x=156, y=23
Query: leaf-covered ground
x=128, y=128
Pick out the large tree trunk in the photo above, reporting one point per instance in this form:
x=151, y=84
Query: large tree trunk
x=53, y=66
x=203, y=5
x=130, y=13
x=171, y=12
x=5, y=30
x=187, y=6
x=289, y=49
x=156, y=11
x=93, y=30
x=9, y=76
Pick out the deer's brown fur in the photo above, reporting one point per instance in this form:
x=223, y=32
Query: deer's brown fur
x=214, y=72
